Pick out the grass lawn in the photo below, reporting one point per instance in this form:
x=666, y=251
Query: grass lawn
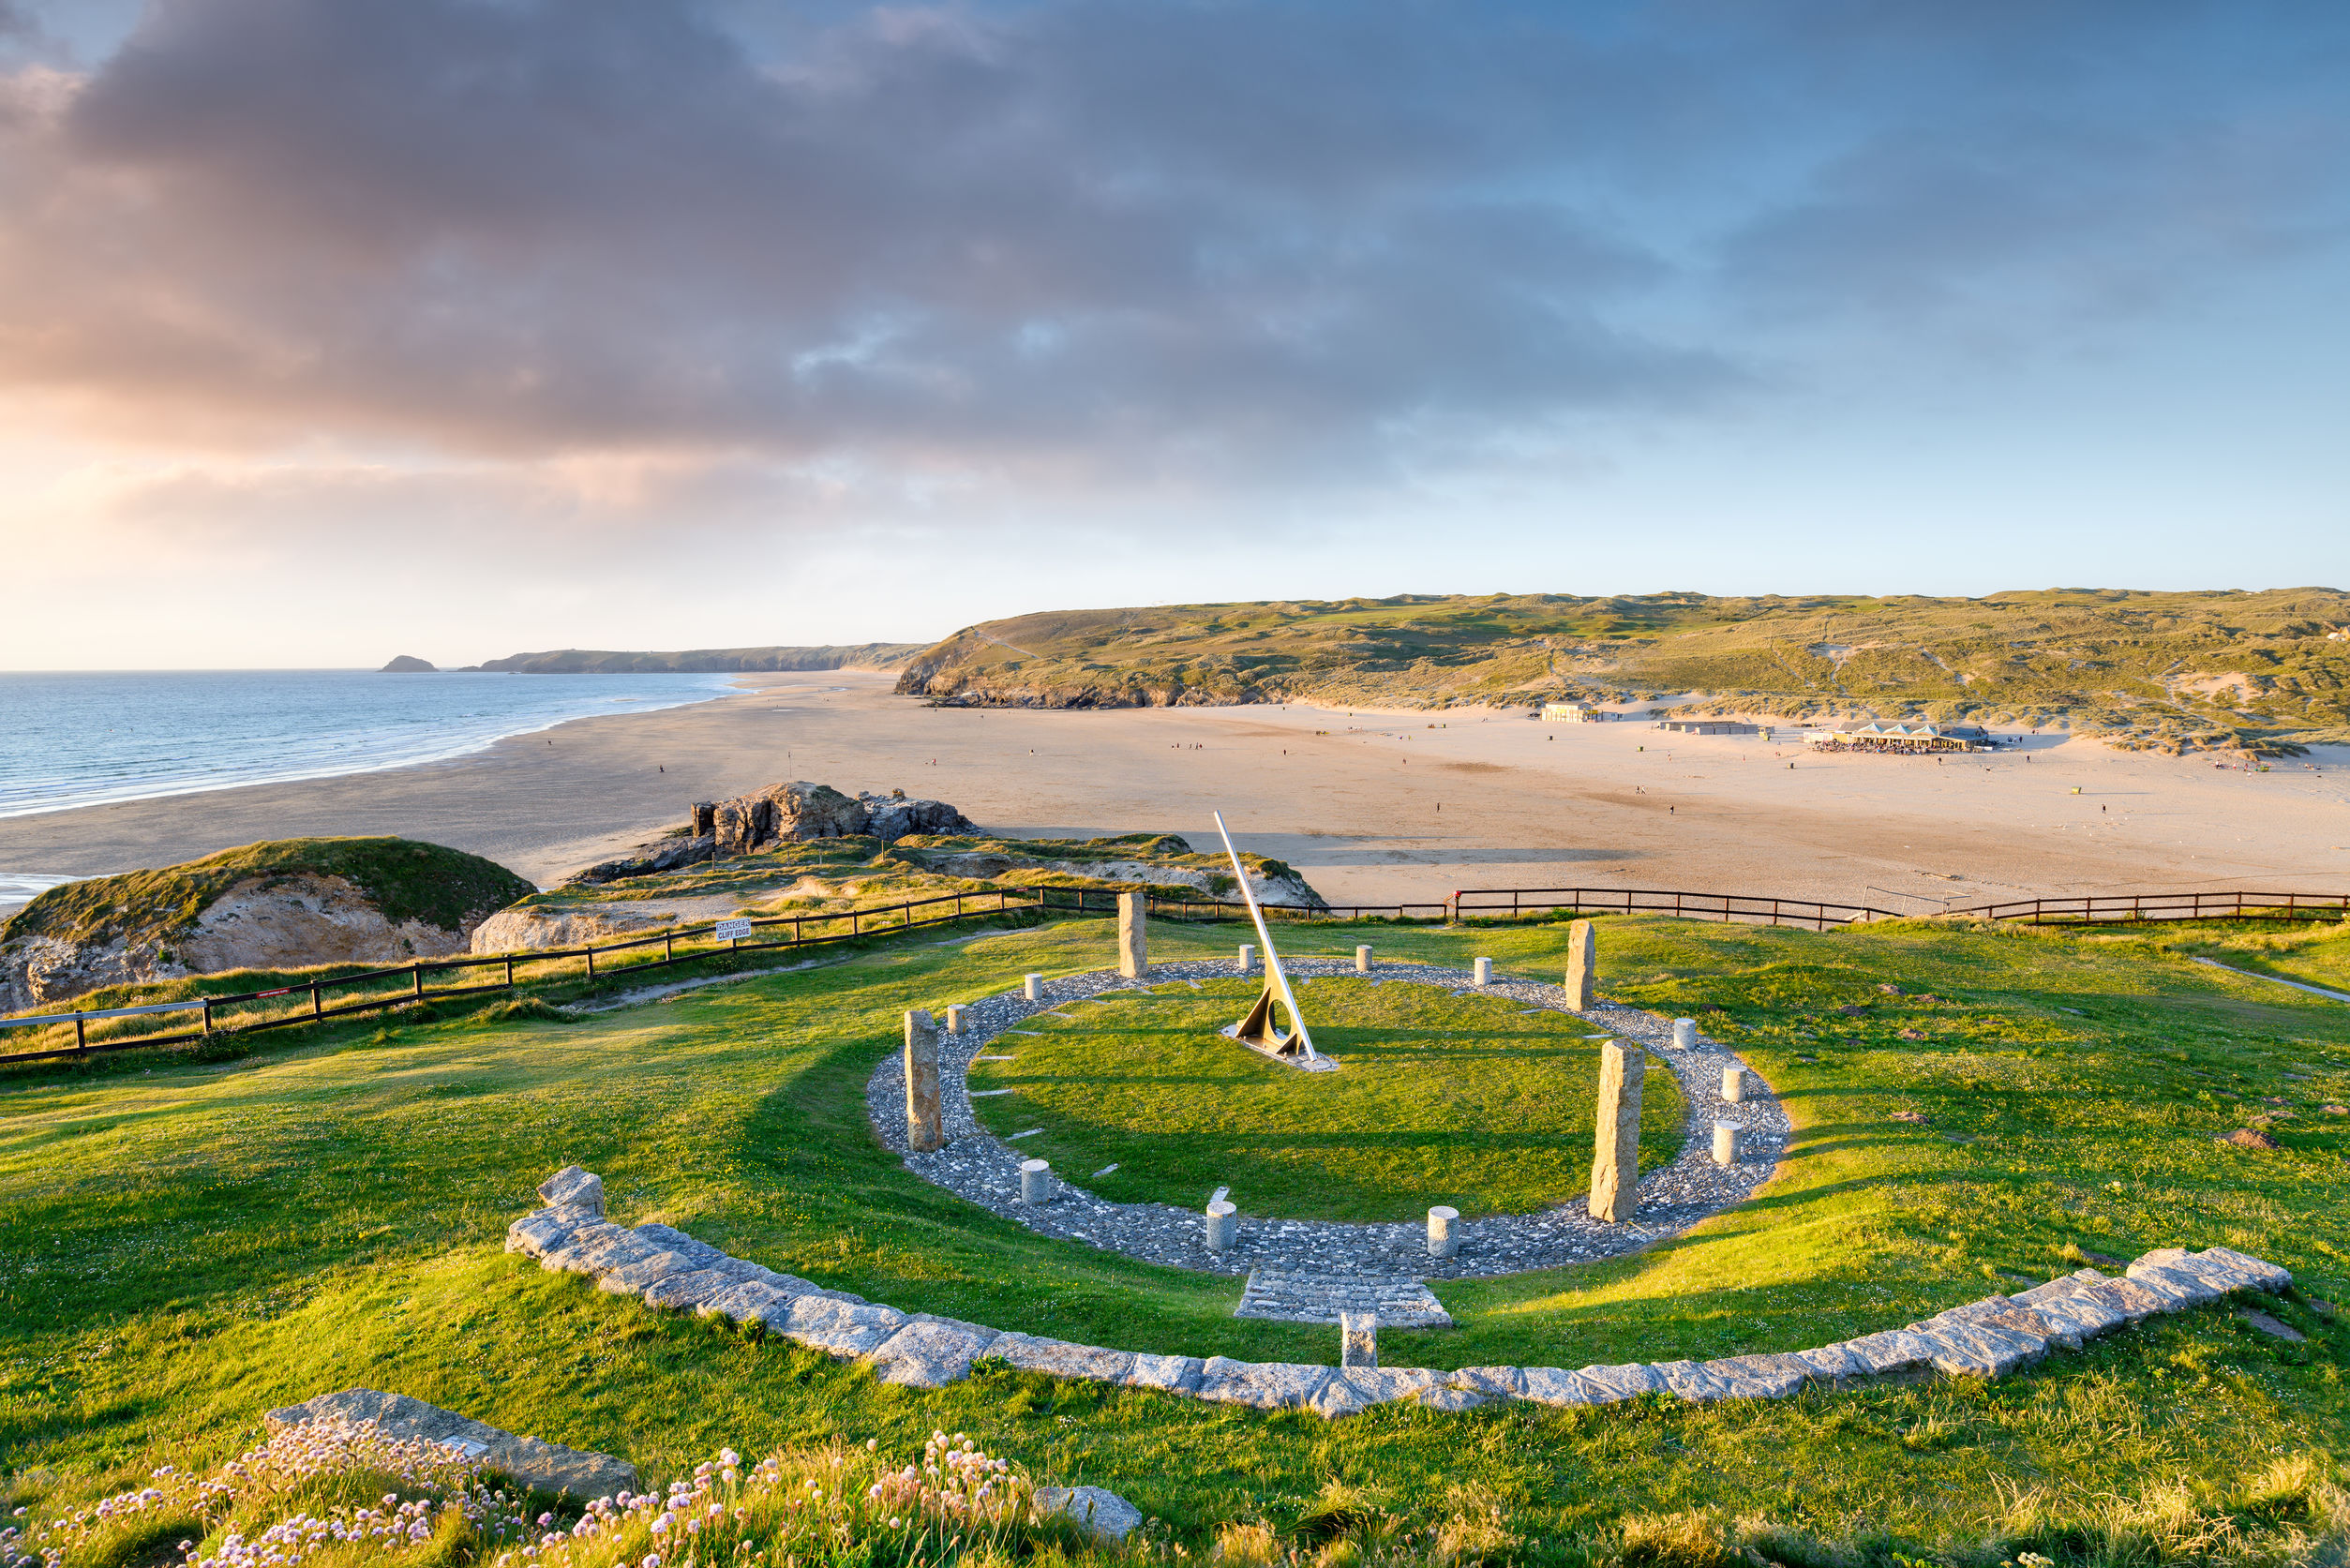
x=1467, y=1100
x=184, y=1245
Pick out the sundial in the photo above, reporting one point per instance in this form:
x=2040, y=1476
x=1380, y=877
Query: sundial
x=1259, y=1031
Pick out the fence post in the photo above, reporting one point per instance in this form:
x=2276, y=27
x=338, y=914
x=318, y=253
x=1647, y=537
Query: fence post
x=590, y=952
x=509, y=972
x=416, y=972
x=668, y=945
x=80, y=1039
x=207, y=1015
x=318, y=1007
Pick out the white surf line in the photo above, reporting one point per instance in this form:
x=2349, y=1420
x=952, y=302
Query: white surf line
x=2272, y=979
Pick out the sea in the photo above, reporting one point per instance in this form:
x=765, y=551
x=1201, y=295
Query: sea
x=96, y=737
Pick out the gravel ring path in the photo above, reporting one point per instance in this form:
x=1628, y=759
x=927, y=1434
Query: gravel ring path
x=976, y=1165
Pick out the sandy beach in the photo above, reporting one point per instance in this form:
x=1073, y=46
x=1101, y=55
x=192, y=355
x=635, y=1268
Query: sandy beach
x=1372, y=807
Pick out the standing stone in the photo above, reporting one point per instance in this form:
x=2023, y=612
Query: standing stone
x=1223, y=1225
x=1725, y=1142
x=1133, y=936
x=1485, y=971
x=1358, y=1341
x=1036, y=1181
x=1444, y=1230
x=1248, y=958
x=1615, y=1167
x=1733, y=1085
x=955, y=1017
x=1582, y=964
x=1033, y=988
x=1362, y=959
x=1684, y=1034
x=924, y=1131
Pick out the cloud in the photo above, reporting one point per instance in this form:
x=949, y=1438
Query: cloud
x=1088, y=242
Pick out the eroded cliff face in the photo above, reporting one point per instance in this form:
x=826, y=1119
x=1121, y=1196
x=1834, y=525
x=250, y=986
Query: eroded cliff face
x=277, y=920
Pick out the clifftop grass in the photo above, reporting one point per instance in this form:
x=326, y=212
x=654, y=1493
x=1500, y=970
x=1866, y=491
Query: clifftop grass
x=405, y=878
x=2176, y=670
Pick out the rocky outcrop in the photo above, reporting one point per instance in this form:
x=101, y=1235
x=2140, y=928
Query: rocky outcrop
x=799, y=812
x=530, y=929
x=407, y=665
x=278, y=922
x=673, y=856
x=287, y=903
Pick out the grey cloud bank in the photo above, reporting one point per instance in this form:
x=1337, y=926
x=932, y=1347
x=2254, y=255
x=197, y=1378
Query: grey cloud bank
x=1247, y=244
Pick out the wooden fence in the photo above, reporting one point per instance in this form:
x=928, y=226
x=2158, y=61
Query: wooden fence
x=689, y=944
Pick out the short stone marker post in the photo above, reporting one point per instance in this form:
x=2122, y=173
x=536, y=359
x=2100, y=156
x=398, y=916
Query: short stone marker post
x=1725, y=1142
x=1223, y=1224
x=1033, y=988
x=1133, y=936
x=1615, y=1166
x=955, y=1017
x=1362, y=958
x=1248, y=958
x=1036, y=1181
x=1358, y=1341
x=1684, y=1034
x=1485, y=971
x=1444, y=1230
x=1733, y=1085
x=1583, y=962
x=924, y=1131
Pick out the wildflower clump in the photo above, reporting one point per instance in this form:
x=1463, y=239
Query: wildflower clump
x=956, y=1502
x=330, y=1484
x=333, y=1492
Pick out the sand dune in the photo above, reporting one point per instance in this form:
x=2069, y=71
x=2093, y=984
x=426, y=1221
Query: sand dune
x=1372, y=807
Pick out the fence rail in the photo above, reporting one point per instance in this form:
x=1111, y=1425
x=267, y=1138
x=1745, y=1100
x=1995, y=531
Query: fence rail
x=680, y=945
x=677, y=945
x=2144, y=908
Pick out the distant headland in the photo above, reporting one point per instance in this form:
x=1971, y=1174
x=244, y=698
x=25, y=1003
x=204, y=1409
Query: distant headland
x=694, y=661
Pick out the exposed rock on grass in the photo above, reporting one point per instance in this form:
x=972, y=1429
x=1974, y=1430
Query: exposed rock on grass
x=280, y=905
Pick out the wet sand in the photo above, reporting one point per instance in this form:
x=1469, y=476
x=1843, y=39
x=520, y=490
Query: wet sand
x=1373, y=808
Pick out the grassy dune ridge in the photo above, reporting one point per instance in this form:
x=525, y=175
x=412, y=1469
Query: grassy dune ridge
x=186, y=1245
x=2164, y=669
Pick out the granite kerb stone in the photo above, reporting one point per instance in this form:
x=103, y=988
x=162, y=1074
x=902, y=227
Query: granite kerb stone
x=978, y=1167
x=1986, y=1339
x=544, y=1467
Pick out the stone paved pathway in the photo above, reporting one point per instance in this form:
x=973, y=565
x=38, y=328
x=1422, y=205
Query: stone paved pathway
x=1291, y=1296
x=978, y=1166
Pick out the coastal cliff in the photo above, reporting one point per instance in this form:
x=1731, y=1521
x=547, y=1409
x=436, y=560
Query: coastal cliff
x=704, y=661
x=280, y=905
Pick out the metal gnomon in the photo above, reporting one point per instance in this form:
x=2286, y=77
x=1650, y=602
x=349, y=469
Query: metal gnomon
x=1260, y=1031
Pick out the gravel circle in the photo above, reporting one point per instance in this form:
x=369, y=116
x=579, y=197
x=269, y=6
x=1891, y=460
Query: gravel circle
x=976, y=1165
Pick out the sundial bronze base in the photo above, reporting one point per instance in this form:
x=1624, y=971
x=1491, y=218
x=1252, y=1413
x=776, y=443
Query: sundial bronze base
x=1258, y=1033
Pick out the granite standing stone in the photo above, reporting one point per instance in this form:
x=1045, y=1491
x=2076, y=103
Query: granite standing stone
x=1358, y=1341
x=955, y=1012
x=1248, y=958
x=1444, y=1230
x=1615, y=1167
x=1036, y=1181
x=1133, y=936
x=1684, y=1034
x=1725, y=1142
x=1582, y=965
x=1223, y=1225
x=1362, y=958
x=1485, y=971
x=1032, y=987
x=924, y=1126
x=1733, y=1085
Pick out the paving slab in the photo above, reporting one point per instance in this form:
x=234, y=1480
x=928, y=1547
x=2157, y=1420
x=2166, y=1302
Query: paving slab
x=928, y=1355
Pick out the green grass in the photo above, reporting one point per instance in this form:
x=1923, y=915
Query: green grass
x=1465, y=1100
x=185, y=1246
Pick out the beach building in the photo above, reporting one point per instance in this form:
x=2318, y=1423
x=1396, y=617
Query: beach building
x=1901, y=740
x=1575, y=713
x=1708, y=726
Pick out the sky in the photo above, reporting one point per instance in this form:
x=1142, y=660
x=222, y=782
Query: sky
x=331, y=330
